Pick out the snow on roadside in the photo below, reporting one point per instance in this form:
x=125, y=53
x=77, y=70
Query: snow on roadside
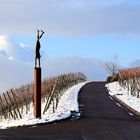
x=67, y=103
x=124, y=95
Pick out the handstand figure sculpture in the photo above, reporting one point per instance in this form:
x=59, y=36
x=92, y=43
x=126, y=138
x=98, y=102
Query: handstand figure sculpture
x=37, y=57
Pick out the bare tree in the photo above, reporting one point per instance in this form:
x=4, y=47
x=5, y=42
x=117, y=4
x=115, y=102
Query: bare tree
x=112, y=66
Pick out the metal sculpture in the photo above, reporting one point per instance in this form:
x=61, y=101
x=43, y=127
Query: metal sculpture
x=37, y=78
x=38, y=46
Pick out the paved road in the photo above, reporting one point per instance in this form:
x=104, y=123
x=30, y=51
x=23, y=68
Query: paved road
x=101, y=119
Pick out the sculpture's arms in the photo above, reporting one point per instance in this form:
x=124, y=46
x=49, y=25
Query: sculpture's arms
x=41, y=34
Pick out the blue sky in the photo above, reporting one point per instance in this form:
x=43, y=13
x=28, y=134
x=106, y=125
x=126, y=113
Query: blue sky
x=100, y=47
x=87, y=31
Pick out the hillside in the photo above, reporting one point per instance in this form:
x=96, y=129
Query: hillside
x=17, y=104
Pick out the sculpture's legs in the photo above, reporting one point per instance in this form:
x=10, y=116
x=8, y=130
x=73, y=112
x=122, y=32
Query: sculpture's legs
x=39, y=62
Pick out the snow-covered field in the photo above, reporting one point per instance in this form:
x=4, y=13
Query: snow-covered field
x=67, y=103
x=124, y=95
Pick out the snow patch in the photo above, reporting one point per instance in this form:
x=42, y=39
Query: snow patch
x=67, y=104
x=114, y=89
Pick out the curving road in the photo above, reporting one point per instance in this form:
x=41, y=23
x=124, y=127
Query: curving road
x=102, y=119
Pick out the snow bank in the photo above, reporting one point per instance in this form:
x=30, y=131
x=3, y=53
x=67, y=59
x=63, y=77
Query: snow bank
x=67, y=103
x=124, y=95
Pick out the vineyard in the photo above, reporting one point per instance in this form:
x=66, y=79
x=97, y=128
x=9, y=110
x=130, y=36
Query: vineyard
x=126, y=89
x=19, y=101
x=130, y=80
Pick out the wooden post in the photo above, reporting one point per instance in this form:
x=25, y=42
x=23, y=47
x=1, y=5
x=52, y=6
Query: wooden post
x=37, y=92
x=15, y=102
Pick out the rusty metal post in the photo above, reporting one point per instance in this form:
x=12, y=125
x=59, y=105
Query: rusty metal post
x=37, y=92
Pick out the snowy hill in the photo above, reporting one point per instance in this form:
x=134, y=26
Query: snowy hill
x=67, y=104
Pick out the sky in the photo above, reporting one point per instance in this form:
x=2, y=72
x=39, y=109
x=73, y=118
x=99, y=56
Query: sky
x=79, y=36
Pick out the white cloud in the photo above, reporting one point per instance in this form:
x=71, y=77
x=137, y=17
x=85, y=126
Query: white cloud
x=89, y=66
x=16, y=62
x=15, y=51
x=10, y=58
x=4, y=44
x=22, y=45
x=71, y=17
x=16, y=72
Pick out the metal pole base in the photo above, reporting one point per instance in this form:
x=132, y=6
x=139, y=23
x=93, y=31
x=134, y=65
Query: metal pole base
x=37, y=92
